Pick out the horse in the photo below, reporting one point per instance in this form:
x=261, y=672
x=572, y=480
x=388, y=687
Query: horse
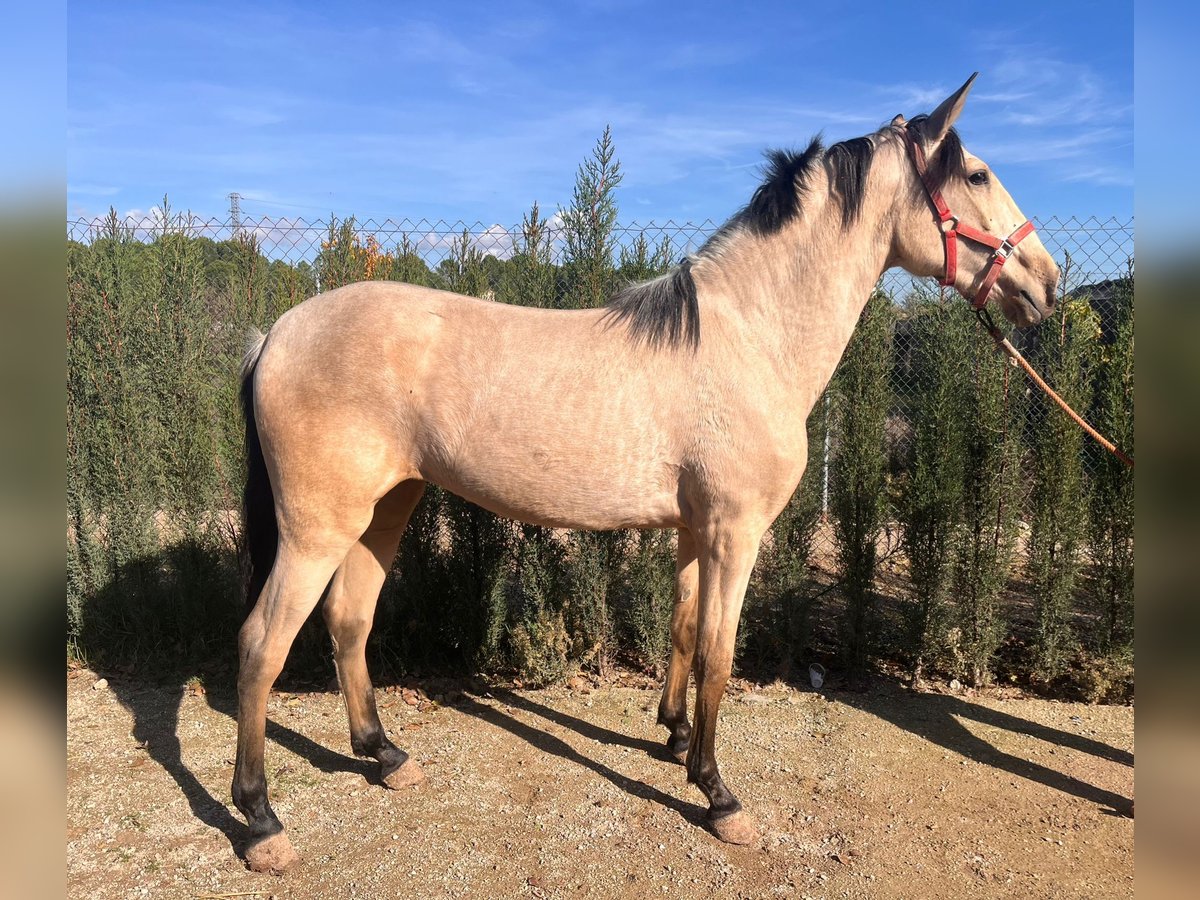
x=681, y=404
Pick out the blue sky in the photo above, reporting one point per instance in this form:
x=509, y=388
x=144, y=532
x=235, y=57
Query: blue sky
x=399, y=110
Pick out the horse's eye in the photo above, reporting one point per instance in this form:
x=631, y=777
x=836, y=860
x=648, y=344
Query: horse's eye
x=978, y=178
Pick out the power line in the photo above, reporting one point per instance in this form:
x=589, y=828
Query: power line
x=265, y=202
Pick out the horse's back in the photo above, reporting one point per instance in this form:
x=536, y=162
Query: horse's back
x=542, y=415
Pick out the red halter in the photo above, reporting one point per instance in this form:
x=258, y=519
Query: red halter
x=951, y=227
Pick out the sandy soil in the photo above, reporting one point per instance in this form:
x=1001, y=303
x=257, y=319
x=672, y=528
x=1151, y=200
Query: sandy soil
x=567, y=792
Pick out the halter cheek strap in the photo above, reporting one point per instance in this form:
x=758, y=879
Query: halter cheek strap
x=1002, y=248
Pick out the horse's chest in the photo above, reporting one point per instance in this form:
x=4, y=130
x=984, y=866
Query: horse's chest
x=760, y=440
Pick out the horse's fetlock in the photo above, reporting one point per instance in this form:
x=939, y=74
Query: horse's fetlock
x=371, y=742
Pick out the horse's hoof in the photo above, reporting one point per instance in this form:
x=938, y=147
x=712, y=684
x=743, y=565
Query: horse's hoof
x=735, y=829
x=273, y=855
x=408, y=774
x=680, y=757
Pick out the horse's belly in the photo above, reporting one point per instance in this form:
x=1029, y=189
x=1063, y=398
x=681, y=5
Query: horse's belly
x=546, y=488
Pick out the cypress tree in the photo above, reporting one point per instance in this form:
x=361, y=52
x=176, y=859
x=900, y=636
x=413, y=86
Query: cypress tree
x=857, y=499
x=932, y=488
x=1059, y=503
x=588, y=227
x=1110, y=535
x=985, y=540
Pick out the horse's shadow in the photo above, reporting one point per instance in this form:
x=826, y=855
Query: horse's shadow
x=938, y=719
x=935, y=717
x=548, y=743
x=155, y=712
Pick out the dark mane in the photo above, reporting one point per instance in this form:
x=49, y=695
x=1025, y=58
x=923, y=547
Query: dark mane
x=660, y=312
x=664, y=312
x=777, y=200
x=849, y=164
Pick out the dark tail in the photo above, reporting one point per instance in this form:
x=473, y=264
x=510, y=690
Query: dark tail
x=260, y=531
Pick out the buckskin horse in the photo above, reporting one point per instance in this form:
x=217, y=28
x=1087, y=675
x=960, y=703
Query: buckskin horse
x=681, y=404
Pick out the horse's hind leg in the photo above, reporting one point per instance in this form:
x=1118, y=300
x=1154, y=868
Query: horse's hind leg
x=294, y=587
x=672, y=709
x=349, y=613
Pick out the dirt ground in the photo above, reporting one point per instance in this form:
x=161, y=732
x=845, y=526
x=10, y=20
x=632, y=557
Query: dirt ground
x=568, y=792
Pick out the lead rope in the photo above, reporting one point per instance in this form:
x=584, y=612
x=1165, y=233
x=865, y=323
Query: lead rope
x=1012, y=353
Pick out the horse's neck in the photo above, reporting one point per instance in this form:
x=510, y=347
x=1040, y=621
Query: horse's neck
x=802, y=290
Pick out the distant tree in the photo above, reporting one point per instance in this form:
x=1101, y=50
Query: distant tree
x=463, y=270
x=588, y=226
x=639, y=261
x=531, y=278
x=408, y=265
x=340, y=260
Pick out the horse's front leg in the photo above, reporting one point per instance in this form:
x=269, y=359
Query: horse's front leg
x=726, y=557
x=672, y=709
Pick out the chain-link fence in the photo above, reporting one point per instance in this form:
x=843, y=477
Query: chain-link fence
x=1093, y=253
x=1099, y=249
x=286, y=259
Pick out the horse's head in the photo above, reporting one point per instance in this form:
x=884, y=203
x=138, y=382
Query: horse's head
x=960, y=209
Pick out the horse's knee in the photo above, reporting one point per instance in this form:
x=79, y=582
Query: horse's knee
x=348, y=629
x=683, y=628
x=250, y=635
x=714, y=666
x=259, y=665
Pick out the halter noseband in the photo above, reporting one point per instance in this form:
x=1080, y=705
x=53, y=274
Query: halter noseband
x=1002, y=248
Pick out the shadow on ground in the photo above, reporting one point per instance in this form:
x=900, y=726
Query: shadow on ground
x=548, y=743
x=938, y=718
x=155, y=713
x=935, y=717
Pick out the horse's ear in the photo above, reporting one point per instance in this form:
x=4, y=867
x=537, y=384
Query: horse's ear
x=942, y=119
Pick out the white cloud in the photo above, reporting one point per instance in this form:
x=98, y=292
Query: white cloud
x=143, y=223
x=496, y=240
x=916, y=98
x=1102, y=175
x=437, y=244
x=1050, y=148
